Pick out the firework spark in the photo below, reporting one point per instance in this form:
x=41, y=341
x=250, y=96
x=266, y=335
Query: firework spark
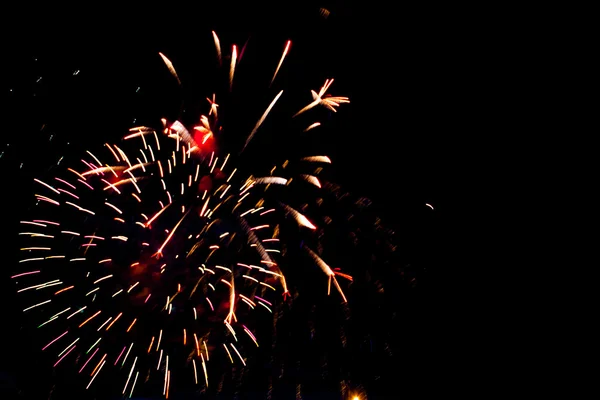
x=151, y=242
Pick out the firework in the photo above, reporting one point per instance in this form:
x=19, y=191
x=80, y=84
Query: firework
x=150, y=259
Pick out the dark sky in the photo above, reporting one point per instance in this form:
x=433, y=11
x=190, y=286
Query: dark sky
x=414, y=76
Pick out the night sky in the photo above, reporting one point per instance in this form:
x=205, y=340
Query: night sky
x=75, y=81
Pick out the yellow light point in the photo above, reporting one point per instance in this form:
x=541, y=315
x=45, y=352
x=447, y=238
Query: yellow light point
x=136, y=197
x=131, y=326
x=184, y=336
x=87, y=320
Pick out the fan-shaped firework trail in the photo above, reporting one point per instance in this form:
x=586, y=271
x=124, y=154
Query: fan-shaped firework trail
x=151, y=256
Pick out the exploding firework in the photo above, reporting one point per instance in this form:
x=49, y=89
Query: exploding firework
x=149, y=260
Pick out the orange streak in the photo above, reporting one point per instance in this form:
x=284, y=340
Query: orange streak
x=115, y=320
x=131, y=326
x=62, y=290
x=87, y=320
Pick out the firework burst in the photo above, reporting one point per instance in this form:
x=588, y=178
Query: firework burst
x=149, y=260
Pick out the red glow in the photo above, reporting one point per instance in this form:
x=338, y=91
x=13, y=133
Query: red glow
x=204, y=141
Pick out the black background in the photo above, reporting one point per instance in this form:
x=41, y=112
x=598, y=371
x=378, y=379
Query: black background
x=422, y=83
